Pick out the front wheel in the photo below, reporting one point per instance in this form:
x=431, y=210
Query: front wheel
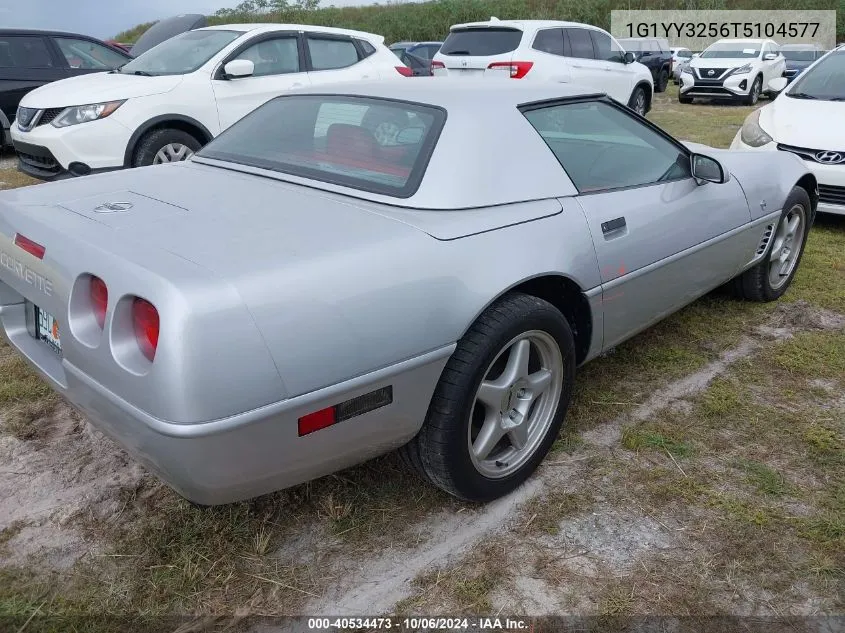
x=165, y=146
x=754, y=94
x=500, y=402
x=638, y=101
x=771, y=277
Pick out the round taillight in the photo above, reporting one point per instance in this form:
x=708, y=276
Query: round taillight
x=99, y=299
x=145, y=321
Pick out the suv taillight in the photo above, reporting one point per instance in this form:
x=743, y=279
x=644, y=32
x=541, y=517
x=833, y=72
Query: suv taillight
x=99, y=299
x=404, y=71
x=146, y=324
x=436, y=66
x=517, y=70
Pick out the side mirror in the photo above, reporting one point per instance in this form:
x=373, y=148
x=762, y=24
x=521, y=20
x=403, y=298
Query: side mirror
x=706, y=169
x=629, y=58
x=239, y=68
x=777, y=84
x=769, y=57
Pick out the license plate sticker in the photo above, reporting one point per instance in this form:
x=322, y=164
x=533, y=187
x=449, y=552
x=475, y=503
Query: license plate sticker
x=47, y=329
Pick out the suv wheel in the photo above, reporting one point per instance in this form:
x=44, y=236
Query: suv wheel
x=165, y=146
x=754, y=93
x=662, y=81
x=638, y=101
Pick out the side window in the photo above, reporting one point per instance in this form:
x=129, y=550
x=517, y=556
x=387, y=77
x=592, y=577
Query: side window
x=88, y=55
x=24, y=52
x=432, y=50
x=549, y=41
x=606, y=48
x=366, y=48
x=329, y=53
x=579, y=43
x=277, y=56
x=602, y=147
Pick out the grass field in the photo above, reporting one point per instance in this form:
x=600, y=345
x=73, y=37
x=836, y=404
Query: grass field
x=702, y=472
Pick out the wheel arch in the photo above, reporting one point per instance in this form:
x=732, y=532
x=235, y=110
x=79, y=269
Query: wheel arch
x=164, y=121
x=563, y=293
x=810, y=184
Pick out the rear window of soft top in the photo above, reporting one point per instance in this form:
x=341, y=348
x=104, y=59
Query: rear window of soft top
x=377, y=145
x=481, y=41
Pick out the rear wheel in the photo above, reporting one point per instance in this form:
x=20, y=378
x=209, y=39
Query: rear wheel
x=165, y=146
x=662, y=81
x=500, y=402
x=771, y=277
x=639, y=101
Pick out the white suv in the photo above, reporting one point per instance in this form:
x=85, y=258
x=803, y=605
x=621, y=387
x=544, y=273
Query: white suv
x=168, y=102
x=739, y=70
x=546, y=50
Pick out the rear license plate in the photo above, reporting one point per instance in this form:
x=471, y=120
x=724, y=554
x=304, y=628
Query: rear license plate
x=47, y=329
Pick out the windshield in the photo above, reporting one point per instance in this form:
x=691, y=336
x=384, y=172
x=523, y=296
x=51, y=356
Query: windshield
x=825, y=80
x=799, y=54
x=482, y=42
x=365, y=143
x=182, y=54
x=732, y=50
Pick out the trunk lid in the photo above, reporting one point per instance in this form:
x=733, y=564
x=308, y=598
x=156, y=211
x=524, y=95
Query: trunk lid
x=470, y=49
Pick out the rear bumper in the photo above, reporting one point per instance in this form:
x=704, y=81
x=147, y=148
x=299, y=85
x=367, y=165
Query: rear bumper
x=255, y=452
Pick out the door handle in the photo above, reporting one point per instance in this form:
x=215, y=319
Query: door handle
x=613, y=225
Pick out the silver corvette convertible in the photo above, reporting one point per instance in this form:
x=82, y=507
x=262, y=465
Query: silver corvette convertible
x=414, y=265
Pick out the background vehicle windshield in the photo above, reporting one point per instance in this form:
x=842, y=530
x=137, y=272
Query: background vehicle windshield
x=633, y=45
x=732, y=50
x=804, y=54
x=825, y=80
x=182, y=54
x=482, y=41
x=360, y=142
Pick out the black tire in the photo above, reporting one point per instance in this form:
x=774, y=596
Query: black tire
x=441, y=450
x=754, y=93
x=755, y=283
x=155, y=140
x=683, y=99
x=639, y=101
x=662, y=81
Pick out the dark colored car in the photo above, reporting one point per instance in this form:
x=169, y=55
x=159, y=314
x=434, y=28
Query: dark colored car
x=416, y=55
x=29, y=59
x=655, y=55
x=799, y=57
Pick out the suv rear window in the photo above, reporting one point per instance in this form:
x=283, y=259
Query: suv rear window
x=365, y=143
x=482, y=42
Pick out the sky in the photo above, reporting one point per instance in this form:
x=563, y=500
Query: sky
x=105, y=18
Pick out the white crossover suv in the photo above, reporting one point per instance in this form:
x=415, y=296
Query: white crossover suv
x=738, y=70
x=171, y=100
x=545, y=50
x=804, y=120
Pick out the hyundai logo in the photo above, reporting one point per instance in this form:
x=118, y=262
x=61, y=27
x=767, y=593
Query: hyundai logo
x=830, y=158
x=113, y=207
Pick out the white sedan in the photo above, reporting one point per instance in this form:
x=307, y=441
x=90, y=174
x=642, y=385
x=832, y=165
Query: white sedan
x=804, y=120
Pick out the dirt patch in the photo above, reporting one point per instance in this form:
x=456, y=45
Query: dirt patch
x=64, y=470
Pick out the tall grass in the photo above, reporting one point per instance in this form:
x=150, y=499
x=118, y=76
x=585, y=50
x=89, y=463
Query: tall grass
x=431, y=20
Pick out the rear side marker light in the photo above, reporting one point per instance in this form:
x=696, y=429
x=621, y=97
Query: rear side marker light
x=404, y=71
x=517, y=70
x=146, y=324
x=99, y=299
x=33, y=248
x=345, y=410
x=437, y=65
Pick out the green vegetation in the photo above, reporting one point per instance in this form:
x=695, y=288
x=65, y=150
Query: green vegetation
x=431, y=20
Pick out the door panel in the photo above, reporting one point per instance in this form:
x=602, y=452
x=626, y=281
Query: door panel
x=668, y=252
x=278, y=69
x=619, y=77
x=584, y=68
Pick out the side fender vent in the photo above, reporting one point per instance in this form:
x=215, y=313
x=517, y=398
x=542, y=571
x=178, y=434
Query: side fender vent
x=767, y=237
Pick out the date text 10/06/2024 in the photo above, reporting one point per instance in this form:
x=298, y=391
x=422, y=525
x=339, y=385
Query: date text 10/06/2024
x=419, y=623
